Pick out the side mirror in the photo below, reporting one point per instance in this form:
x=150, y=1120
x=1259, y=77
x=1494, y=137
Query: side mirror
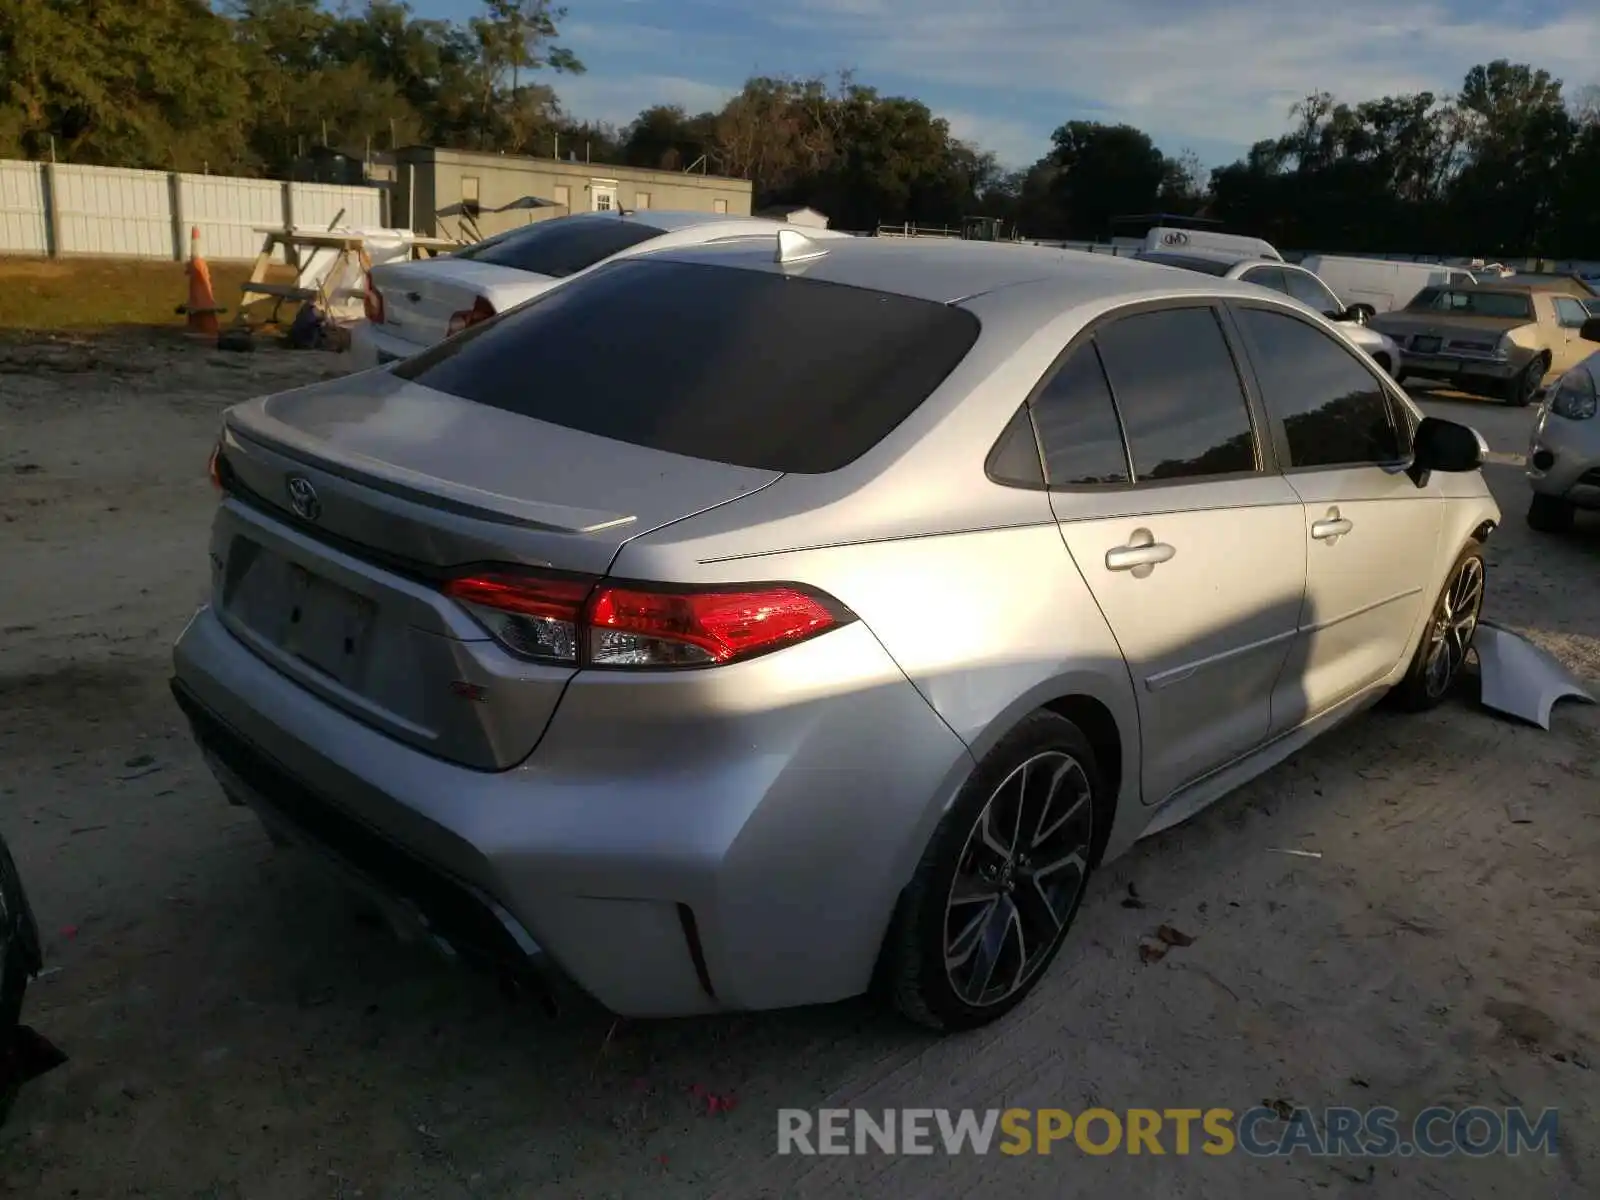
x=1360, y=314
x=1589, y=331
x=1445, y=446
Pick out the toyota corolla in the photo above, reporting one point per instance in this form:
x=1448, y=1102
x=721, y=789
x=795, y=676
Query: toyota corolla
x=815, y=612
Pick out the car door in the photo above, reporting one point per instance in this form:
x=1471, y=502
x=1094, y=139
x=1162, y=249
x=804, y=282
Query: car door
x=1371, y=535
x=1191, y=542
x=1568, y=349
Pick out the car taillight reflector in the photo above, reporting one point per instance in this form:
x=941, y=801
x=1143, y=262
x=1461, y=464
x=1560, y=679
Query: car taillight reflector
x=481, y=310
x=372, y=303
x=535, y=616
x=583, y=622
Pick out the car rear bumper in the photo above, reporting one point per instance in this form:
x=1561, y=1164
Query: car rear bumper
x=753, y=862
x=1564, y=459
x=1451, y=369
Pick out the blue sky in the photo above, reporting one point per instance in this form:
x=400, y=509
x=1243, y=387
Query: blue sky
x=1207, y=75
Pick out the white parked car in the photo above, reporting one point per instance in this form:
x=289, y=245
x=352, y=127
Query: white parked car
x=412, y=305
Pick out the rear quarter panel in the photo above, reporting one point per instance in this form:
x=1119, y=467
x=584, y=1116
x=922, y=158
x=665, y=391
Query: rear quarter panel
x=987, y=624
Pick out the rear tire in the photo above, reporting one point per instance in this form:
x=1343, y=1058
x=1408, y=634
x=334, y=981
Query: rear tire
x=1520, y=391
x=991, y=902
x=1452, y=622
x=1550, y=514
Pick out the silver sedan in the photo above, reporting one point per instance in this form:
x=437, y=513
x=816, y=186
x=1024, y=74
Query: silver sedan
x=737, y=625
x=1564, y=451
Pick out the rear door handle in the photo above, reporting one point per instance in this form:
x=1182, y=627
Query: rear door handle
x=1331, y=527
x=1140, y=555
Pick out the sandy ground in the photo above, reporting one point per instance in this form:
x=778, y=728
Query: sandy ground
x=237, y=1030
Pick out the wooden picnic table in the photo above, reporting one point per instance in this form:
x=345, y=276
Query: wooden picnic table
x=258, y=293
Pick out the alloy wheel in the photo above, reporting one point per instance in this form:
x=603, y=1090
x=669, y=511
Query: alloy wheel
x=1020, y=876
x=1454, y=623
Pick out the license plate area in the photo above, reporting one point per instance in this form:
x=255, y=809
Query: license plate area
x=1425, y=345
x=324, y=625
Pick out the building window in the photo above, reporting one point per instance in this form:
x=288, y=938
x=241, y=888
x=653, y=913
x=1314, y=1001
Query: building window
x=719, y=206
x=604, y=196
x=641, y=199
x=564, y=196
x=469, y=195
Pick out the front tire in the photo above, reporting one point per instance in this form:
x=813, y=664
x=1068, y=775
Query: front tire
x=1550, y=514
x=1001, y=880
x=1442, y=653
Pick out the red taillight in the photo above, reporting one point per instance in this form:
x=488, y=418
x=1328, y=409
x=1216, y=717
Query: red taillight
x=481, y=310
x=584, y=622
x=372, y=303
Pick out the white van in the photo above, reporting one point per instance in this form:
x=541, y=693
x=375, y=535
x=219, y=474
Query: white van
x=1384, y=285
x=1178, y=241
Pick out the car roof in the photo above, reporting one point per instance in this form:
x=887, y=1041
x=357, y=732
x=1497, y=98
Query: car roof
x=948, y=270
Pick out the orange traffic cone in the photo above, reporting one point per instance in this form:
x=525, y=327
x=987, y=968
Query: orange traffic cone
x=202, y=307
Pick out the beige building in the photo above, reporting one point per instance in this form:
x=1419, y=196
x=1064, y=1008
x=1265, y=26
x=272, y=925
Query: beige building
x=446, y=193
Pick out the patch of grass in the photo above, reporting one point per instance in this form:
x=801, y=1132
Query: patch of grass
x=81, y=295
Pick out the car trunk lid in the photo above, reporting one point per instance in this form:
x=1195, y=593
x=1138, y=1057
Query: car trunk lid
x=419, y=298
x=352, y=501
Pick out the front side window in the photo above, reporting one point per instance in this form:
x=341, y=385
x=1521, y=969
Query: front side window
x=1177, y=390
x=1267, y=277
x=1077, y=423
x=1311, y=291
x=1334, y=411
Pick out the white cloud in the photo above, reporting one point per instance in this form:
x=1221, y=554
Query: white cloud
x=1015, y=144
x=1209, y=72
x=620, y=99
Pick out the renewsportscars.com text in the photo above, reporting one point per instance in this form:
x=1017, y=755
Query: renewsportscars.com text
x=1263, y=1132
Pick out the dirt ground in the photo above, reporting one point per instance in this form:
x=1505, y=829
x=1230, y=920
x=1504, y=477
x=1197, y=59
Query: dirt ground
x=236, y=1029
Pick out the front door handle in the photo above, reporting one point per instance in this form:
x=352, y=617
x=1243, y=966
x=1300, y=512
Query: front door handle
x=1140, y=555
x=1331, y=528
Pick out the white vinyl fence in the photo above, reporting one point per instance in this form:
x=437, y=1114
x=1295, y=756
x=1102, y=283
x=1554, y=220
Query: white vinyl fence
x=60, y=208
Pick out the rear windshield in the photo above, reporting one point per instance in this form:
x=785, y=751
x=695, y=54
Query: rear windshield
x=749, y=368
x=1469, y=303
x=1209, y=266
x=561, y=246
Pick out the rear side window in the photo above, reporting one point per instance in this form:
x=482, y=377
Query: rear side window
x=1570, y=313
x=561, y=247
x=1179, y=395
x=1334, y=410
x=1078, y=428
x=738, y=366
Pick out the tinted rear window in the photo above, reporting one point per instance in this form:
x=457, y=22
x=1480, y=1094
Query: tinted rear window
x=562, y=246
x=1466, y=302
x=744, y=367
x=1207, y=266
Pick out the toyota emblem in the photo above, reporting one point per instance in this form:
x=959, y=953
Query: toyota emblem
x=1176, y=238
x=303, y=498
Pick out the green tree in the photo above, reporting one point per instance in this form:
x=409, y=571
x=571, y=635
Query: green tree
x=1100, y=172
x=147, y=83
